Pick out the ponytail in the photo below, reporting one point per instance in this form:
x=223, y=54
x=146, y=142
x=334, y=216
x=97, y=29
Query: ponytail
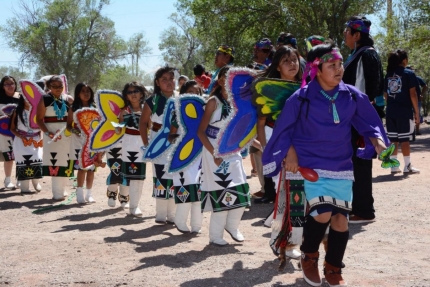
x=395, y=59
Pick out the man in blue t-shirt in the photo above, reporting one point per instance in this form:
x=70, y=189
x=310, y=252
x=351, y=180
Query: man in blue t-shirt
x=421, y=92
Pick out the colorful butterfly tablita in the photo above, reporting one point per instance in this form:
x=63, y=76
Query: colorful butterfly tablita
x=388, y=162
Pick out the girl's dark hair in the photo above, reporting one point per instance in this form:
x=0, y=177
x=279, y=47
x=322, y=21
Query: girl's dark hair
x=77, y=102
x=222, y=72
x=318, y=51
x=272, y=70
x=19, y=111
x=3, y=80
x=187, y=85
x=365, y=38
x=54, y=78
x=139, y=87
x=395, y=59
x=160, y=72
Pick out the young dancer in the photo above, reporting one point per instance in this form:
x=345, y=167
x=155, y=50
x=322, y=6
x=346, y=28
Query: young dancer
x=133, y=168
x=225, y=191
x=285, y=66
x=27, y=147
x=52, y=119
x=84, y=98
x=115, y=179
x=153, y=111
x=8, y=95
x=317, y=122
x=187, y=182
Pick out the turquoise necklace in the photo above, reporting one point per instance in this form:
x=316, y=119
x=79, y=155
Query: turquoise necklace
x=333, y=105
x=59, y=112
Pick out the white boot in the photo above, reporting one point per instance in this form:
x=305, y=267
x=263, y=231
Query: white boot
x=233, y=220
x=25, y=186
x=80, y=195
x=216, y=228
x=59, y=187
x=112, y=192
x=273, y=236
x=269, y=220
x=136, y=187
x=8, y=183
x=160, y=210
x=89, y=196
x=36, y=184
x=171, y=210
x=124, y=197
x=293, y=253
x=181, y=216
x=196, y=217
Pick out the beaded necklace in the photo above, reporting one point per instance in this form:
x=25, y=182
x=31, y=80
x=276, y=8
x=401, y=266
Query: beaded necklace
x=136, y=124
x=59, y=112
x=333, y=105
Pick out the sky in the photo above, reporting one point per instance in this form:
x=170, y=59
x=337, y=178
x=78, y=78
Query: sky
x=130, y=17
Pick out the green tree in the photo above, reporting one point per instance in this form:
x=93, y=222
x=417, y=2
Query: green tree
x=115, y=77
x=179, y=44
x=408, y=28
x=137, y=46
x=241, y=23
x=14, y=72
x=65, y=36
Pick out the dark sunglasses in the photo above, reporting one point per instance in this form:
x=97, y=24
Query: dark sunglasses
x=133, y=92
x=56, y=87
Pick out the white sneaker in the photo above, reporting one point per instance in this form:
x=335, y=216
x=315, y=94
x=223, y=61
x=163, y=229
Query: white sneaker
x=395, y=170
x=410, y=169
x=89, y=197
x=125, y=205
x=8, y=183
x=18, y=184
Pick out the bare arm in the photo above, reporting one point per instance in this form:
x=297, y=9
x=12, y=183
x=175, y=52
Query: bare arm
x=40, y=115
x=69, y=119
x=291, y=162
x=385, y=97
x=414, y=99
x=261, y=133
x=424, y=91
x=201, y=132
x=144, y=124
x=173, y=134
x=378, y=144
x=13, y=126
x=121, y=119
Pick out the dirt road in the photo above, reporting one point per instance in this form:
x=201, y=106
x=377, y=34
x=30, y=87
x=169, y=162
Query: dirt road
x=94, y=245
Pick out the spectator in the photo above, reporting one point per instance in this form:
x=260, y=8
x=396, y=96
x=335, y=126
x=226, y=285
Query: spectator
x=401, y=98
x=224, y=56
x=200, y=77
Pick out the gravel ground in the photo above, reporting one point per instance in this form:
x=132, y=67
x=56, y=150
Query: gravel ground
x=94, y=245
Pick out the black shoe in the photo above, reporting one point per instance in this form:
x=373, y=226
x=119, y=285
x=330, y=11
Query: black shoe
x=264, y=200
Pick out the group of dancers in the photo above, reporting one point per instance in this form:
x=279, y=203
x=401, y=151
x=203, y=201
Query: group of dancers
x=302, y=116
